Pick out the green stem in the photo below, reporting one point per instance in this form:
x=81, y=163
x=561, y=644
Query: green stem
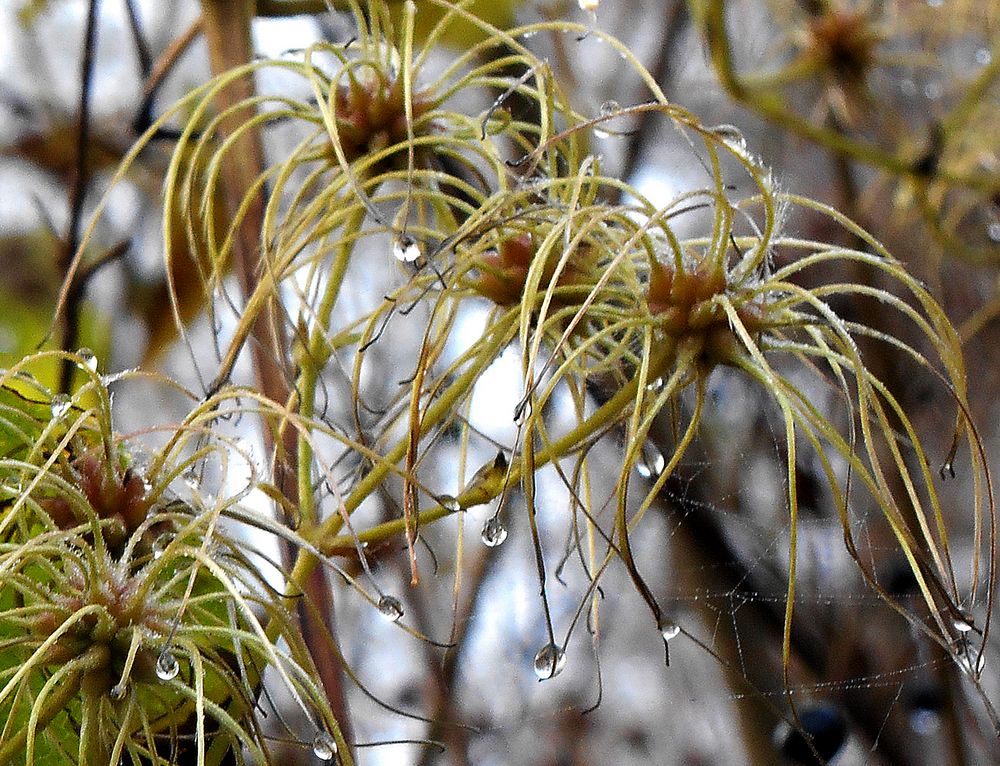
x=312, y=362
x=325, y=536
x=94, y=751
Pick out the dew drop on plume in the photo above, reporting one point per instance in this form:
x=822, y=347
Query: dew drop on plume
x=167, y=666
x=494, y=532
x=87, y=358
x=969, y=657
x=549, y=662
x=60, y=405
x=669, y=629
x=450, y=503
x=160, y=544
x=732, y=136
x=324, y=746
x=962, y=624
x=609, y=107
x=651, y=463
x=406, y=250
x=390, y=608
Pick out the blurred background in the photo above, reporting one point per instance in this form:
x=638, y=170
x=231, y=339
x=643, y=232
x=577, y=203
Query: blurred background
x=888, y=111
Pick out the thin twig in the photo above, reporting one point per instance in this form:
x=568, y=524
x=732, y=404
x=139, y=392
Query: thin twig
x=78, y=188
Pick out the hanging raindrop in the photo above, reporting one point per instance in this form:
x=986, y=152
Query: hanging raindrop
x=969, y=657
x=521, y=412
x=450, y=503
x=651, y=463
x=406, y=249
x=608, y=108
x=549, y=662
x=160, y=544
x=993, y=230
x=114, y=377
x=390, y=608
x=117, y=691
x=732, y=136
x=87, y=358
x=962, y=624
x=494, y=532
x=60, y=405
x=324, y=746
x=167, y=666
x=669, y=629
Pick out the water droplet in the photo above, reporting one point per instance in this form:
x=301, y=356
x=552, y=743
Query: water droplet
x=60, y=405
x=324, y=746
x=549, y=662
x=608, y=108
x=983, y=56
x=87, y=358
x=529, y=35
x=450, y=503
x=167, y=666
x=933, y=90
x=117, y=691
x=390, y=608
x=969, y=657
x=993, y=230
x=494, y=532
x=655, y=385
x=521, y=412
x=908, y=86
x=935, y=3
x=732, y=136
x=160, y=545
x=406, y=249
x=962, y=624
x=669, y=629
x=651, y=463
x=192, y=478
